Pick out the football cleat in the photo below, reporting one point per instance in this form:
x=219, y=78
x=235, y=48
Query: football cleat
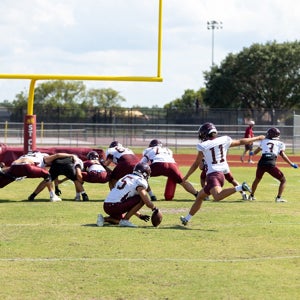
x=251, y=198
x=246, y=187
x=31, y=197
x=183, y=220
x=153, y=198
x=279, y=199
x=126, y=223
x=100, y=220
x=85, y=197
x=54, y=198
x=245, y=197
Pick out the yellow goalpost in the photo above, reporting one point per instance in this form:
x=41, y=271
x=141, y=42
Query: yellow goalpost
x=30, y=118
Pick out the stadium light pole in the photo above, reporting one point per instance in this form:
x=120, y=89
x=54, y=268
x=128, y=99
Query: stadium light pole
x=212, y=25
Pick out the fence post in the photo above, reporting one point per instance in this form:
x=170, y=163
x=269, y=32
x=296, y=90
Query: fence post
x=5, y=131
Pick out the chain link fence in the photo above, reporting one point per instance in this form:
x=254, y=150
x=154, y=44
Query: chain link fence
x=132, y=135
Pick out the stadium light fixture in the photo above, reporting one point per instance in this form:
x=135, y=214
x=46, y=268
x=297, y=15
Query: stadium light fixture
x=212, y=25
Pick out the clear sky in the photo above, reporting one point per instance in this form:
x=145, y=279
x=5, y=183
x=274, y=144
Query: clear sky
x=119, y=37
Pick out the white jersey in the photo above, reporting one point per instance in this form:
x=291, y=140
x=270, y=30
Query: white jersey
x=271, y=146
x=126, y=187
x=215, y=152
x=36, y=157
x=77, y=163
x=95, y=168
x=115, y=153
x=157, y=154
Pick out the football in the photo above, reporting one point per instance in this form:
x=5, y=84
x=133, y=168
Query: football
x=156, y=217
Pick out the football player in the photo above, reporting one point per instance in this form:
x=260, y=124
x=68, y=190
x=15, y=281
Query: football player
x=124, y=160
x=248, y=147
x=228, y=176
x=213, y=150
x=62, y=164
x=162, y=163
x=127, y=197
x=271, y=147
x=32, y=165
x=93, y=171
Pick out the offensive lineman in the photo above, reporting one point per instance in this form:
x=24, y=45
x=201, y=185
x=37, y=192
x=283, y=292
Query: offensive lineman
x=162, y=163
x=124, y=160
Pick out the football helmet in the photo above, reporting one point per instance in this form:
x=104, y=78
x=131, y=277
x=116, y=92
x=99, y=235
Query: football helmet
x=92, y=155
x=273, y=133
x=115, y=144
x=206, y=130
x=142, y=170
x=154, y=143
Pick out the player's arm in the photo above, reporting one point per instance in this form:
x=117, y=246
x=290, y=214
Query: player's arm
x=194, y=166
x=201, y=165
x=144, y=159
x=287, y=160
x=144, y=196
x=256, y=151
x=246, y=141
x=108, y=161
x=78, y=172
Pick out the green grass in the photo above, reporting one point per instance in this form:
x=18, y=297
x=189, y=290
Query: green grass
x=231, y=249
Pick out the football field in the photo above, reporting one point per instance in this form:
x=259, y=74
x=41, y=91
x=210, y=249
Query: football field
x=232, y=249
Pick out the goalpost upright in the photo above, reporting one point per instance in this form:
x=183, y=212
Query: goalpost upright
x=30, y=118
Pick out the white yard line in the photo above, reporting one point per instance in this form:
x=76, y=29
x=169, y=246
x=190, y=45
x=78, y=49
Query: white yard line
x=191, y=260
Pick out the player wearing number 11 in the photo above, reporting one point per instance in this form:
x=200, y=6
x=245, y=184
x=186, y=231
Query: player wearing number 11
x=214, y=150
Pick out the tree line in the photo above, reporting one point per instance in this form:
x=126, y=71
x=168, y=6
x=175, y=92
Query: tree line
x=258, y=80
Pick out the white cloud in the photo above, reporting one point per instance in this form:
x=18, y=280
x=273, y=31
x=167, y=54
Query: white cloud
x=119, y=37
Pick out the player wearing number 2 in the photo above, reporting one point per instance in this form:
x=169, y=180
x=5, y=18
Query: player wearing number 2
x=214, y=150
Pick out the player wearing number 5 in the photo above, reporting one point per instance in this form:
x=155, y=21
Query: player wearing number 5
x=271, y=147
x=127, y=197
x=214, y=150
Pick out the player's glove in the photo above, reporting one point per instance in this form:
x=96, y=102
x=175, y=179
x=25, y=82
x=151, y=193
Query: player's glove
x=57, y=191
x=145, y=218
x=295, y=166
x=251, y=153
